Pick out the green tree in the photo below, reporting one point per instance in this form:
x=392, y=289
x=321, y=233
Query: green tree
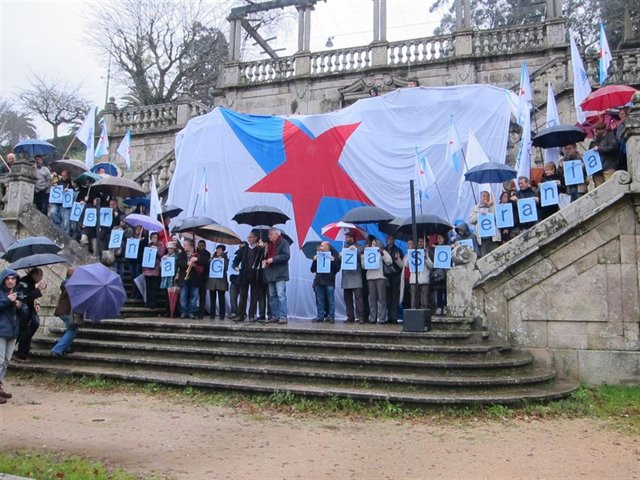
x=14, y=125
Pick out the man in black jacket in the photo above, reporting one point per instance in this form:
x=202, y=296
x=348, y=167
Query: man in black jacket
x=606, y=144
x=276, y=273
x=248, y=263
x=393, y=287
x=526, y=191
x=324, y=284
x=30, y=287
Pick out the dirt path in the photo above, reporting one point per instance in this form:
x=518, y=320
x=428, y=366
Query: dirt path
x=144, y=434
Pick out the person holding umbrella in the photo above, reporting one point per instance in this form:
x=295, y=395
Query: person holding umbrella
x=204, y=256
x=31, y=286
x=12, y=312
x=276, y=273
x=248, y=264
x=63, y=310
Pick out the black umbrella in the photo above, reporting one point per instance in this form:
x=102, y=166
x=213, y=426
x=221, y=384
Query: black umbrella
x=30, y=246
x=38, y=260
x=427, y=225
x=118, y=187
x=6, y=237
x=190, y=223
x=490, y=172
x=558, y=136
x=367, y=214
x=391, y=228
x=260, y=215
x=262, y=232
x=310, y=248
x=171, y=211
x=217, y=233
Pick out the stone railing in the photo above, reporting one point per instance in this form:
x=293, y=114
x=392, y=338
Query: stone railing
x=420, y=50
x=344, y=60
x=267, y=70
x=624, y=69
x=165, y=116
x=162, y=169
x=509, y=39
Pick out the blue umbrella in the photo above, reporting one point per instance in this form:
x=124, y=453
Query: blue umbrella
x=35, y=147
x=490, y=172
x=30, y=246
x=87, y=178
x=96, y=292
x=137, y=201
x=109, y=169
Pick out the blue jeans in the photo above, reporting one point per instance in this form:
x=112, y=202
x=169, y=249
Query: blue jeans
x=278, y=298
x=54, y=214
x=66, y=220
x=188, y=300
x=324, y=293
x=63, y=345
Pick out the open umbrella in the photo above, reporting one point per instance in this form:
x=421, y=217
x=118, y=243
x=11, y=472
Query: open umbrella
x=262, y=232
x=118, y=187
x=109, y=169
x=173, y=295
x=96, y=292
x=427, y=225
x=37, y=260
x=87, y=178
x=171, y=211
x=217, y=233
x=35, y=147
x=260, y=215
x=367, y=214
x=310, y=248
x=144, y=221
x=336, y=231
x=490, y=172
x=611, y=96
x=558, y=136
x=137, y=201
x=30, y=246
x=189, y=223
x=74, y=167
x=391, y=228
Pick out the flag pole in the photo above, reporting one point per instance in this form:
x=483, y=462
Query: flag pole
x=464, y=159
x=64, y=155
x=443, y=204
x=5, y=163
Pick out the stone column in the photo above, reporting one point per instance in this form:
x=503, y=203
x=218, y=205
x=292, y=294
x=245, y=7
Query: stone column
x=21, y=186
x=109, y=114
x=459, y=19
x=183, y=102
x=304, y=25
x=383, y=21
x=307, y=28
x=632, y=137
x=376, y=21
x=237, y=40
x=467, y=14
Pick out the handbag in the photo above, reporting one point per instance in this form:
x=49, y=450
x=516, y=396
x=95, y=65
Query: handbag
x=392, y=270
x=437, y=275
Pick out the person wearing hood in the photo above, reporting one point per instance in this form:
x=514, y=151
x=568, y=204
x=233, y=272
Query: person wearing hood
x=485, y=206
x=12, y=312
x=464, y=233
x=31, y=285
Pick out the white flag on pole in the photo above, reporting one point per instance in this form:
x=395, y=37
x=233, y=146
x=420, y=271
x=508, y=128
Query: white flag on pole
x=155, y=207
x=605, y=56
x=553, y=119
x=86, y=134
x=475, y=156
x=581, y=86
x=523, y=162
x=124, y=149
x=103, y=142
x=525, y=95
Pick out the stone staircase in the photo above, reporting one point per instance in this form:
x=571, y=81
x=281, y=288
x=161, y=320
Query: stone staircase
x=456, y=363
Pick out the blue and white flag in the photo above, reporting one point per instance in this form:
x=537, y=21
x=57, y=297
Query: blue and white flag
x=581, y=86
x=425, y=180
x=525, y=95
x=103, y=142
x=475, y=156
x=155, y=207
x=86, y=134
x=604, y=56
x=553, y=119
x=454, y=155
x=315, y=168
x=124, y=149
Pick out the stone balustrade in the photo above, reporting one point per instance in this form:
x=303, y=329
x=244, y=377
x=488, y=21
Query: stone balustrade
x=343, y=60
x=509, y=39
x=267, y=70
x=162, y=169
x=624, y=69
x=150, y=117
x=420, y=50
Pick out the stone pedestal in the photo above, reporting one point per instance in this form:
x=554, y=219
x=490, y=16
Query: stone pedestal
x=555, y=32
x=379, y=54
x=632, y=137
x=460, y=282
x=231, y=74
x=303, y=63
x=20, y=187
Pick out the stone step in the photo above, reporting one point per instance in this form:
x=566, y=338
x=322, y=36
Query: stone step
x=327, y=374
x=486, y=359
x=397, y=393
x=264, y=339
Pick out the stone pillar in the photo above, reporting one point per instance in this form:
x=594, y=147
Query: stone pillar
x=109, y=114
x=467, y=14
x=461, y=279
x=183, y=102
x=632, y=137
x=383, y=21
x=555, y=32
x=237, y=40
x=376, y=21
x=21, y=186
x=304, y=28
x=230, y=75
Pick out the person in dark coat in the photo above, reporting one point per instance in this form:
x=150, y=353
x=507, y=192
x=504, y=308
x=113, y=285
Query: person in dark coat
x=276, y=273
x=63, y=310
x=393, y=289
x=526, y=191
x=204, y=256
x=12, y=312
x=218, y=286
x=551, y=174
x=352, y=283
x=31, y=286
x=506, y=232
x=607, y=145
x=191, y=271
x=325, y=285
x=248, y=264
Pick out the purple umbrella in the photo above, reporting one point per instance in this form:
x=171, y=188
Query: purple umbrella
x=144, y=221
x=96, y=292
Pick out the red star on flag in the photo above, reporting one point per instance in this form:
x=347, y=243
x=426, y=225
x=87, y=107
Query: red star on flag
x=310, y=172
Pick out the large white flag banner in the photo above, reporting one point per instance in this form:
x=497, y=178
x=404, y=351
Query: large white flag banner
x=86, y=134
x=581, y=85
x=553, y=119
x=317, y=167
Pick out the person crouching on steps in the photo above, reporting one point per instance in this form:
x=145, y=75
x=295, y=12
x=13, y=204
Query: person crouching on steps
x=12, y=311
x=63, y=310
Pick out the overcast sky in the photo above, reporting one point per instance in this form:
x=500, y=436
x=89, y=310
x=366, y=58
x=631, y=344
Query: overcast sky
x=46, y=37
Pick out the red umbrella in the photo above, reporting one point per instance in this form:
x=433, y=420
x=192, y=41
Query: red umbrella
x=336, y=231
x=611, y=96
x=173, y=294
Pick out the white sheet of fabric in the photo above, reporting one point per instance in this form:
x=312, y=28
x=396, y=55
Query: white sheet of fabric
x=379, y=156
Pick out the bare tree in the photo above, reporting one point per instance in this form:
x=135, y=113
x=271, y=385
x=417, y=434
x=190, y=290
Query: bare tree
x=14, y=125
x=57, y=102
x=161, y=47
